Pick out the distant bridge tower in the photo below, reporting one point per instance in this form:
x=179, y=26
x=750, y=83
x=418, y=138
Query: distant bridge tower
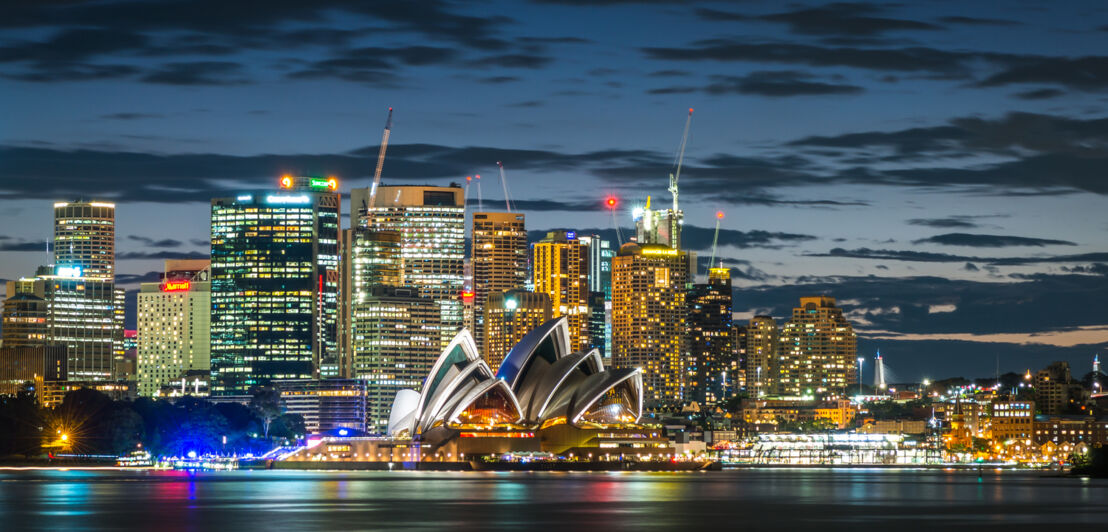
x=879, y=372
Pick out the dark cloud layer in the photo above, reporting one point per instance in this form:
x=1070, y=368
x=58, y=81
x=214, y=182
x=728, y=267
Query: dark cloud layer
x=927, y=256
x=990, y=241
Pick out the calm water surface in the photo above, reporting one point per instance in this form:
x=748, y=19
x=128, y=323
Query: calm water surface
x=756, y=499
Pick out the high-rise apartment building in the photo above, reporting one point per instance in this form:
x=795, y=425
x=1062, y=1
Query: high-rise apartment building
x=499, y=259
x=560, y=270
x=395, y=342
x=649, y=317
x=275, y=278
x=431, y=223
x=174, y=325
x=763, y=341
x=713, y=362
x=818, y=350
x=600, y=282
x=508, y=317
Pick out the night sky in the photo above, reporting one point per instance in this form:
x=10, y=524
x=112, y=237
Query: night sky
x=940, y=169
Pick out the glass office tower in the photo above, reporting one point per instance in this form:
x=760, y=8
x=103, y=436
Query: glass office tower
x=275, y=280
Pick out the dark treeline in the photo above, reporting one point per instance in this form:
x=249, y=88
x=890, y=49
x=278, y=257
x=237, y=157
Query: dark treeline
x=89, y=422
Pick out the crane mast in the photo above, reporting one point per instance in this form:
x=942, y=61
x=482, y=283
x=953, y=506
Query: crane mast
x=679, y=160
x=715, y=239
x=380, y=159
x=504, y=183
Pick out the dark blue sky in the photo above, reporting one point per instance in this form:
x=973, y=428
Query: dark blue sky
x=939, y=168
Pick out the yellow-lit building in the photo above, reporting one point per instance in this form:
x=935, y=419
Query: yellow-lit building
x=560, y=270
x=499, y=260
x=762, y=344
x=818, y=350
x=508, y=317
x=649, y=317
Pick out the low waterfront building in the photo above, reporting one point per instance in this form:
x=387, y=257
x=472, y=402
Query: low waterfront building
x=326, y=404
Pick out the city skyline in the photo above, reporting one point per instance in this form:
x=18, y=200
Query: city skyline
x=933, y=169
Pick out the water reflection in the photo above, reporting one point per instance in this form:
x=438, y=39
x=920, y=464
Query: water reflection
x=751, y=499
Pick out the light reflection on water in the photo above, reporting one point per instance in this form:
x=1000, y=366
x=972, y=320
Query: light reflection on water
x=751, y=499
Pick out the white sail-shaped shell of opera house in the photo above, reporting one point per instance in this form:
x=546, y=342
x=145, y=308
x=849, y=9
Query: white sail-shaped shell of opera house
x=544, y=398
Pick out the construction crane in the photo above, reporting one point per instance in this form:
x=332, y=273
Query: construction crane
x=678, y=161
x=381, y=159
x=715, y=239
x=611, y=202
x=504, y=183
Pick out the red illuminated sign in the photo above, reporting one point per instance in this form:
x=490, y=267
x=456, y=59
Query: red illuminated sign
x=467, y=296
x=175, y=286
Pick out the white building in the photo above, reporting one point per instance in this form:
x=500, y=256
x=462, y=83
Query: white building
x=174, y=333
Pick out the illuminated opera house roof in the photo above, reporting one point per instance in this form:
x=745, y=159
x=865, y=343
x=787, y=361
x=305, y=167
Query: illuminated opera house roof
x=539, y=384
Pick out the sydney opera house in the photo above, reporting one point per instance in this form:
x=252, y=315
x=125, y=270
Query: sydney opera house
x=543, y=399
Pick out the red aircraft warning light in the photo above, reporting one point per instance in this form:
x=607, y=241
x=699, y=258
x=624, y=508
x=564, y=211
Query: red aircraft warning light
x=611, y=202
x=719, y=215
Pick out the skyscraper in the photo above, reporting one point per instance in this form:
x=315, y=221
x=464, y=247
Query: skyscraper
x=818, y=350
x=560, y=270
x=84, y=239
x=713, y=361
x=508, y=317
x=369, y=259
x=174, y=332
x=431, y=223
x=395, y=342
x=600, y=282
x=499, y=258
x=275, y=280
x=649, y=317
x=762, y=357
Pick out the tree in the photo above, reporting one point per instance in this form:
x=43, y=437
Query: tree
x=266, y=403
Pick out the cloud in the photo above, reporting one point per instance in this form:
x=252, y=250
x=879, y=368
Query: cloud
x=696, y=238
x=130, y=116
x=989, y=241
x=1039, y=94
x=161, y=255
x=512, y=61
x=150, y=242
x=843, y=19
x=499, y=79
x=911, y=59
x=198, y=73
x=927, y=256
x=767, y=83
x=21, y=245
x=957, y=221
x=133, y=279
x=1083, y=73
x=974, y=21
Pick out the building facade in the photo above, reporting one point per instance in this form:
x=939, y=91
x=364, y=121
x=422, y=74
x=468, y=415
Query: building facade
x=818, y=350
x=763, y=340
x=274, y=271
x=327, y=404
x=509, y=315
x=84, y=238
x=650, y=318
x=713, y=363
x=499, y=261
x=174, y=326
x=560, y=270
x=431, y=223
x=395, y=340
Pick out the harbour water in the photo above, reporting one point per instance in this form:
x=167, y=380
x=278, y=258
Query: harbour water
x=747, y=499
